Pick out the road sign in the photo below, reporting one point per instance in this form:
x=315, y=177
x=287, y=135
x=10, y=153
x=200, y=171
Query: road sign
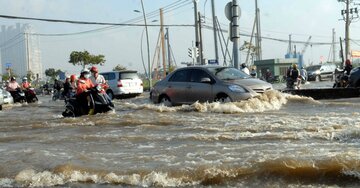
x=213, y=62
x=228, y=11
x=8, y=65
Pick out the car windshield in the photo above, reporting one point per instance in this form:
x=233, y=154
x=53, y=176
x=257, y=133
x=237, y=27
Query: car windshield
x=228, y=73
x=313, y=68
x=129, y=75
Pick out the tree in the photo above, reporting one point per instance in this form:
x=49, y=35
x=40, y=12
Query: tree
x=85, y=58
x=30, y=76
x=8, y=75
x=119, y=68
x=52, y=73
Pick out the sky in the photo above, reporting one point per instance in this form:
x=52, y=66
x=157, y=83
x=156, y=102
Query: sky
x=121, y=45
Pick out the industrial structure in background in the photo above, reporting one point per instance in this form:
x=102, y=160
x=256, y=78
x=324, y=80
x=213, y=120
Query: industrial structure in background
x=20, y=53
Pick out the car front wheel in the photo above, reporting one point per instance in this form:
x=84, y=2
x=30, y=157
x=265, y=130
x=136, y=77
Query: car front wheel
x=164, y=100
x=223, y=99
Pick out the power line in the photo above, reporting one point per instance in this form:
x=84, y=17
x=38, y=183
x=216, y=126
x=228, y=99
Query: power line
x=93, y=23
x=168, y=8
x=276, y=39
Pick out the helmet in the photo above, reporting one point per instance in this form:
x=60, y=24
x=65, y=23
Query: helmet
x=24, y=79
x=85, y=71
x=94, y=69
x=347, y=62
x=243, y=65
x=12, y=78
x=73, y=77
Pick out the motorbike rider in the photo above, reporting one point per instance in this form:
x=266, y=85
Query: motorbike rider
x=245, y=69
x=253, y=73
x=293, y=76
x=58, y=85
x=12, y=87
x=73, y=80
x=25, y=84
x=84, y=84
x=348, y=67
x=98, y=79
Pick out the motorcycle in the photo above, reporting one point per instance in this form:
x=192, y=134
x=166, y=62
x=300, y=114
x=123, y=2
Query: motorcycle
x=18, y=95
x=294, y=84
x=341, y=79
x=99, y=103
x=30, y=95
x=57, y=95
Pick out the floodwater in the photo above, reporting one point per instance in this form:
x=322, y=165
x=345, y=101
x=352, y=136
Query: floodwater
x=277, y=140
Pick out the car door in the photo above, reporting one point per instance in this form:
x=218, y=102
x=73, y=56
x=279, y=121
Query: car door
x=177, y=87
x=199, y=90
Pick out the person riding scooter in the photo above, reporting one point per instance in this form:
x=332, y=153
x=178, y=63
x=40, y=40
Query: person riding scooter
x=84, y=84
x=15, y=90
x=89, y=99
x=293, y=76
x=30, y=93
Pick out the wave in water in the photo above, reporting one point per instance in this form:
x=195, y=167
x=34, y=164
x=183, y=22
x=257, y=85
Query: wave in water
x=339, y=171
x=270, y=100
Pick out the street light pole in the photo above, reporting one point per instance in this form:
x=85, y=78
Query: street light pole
x=148, y=46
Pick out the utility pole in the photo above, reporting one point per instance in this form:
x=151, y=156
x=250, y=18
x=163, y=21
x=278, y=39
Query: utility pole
x=162, y=42
x=215, y=30
x=347, y=31
x=258, y=33
x=197, y=41
x=348, y=15
x=235, y=32
x=201, y=54
x=168, y=47
x=148, y=45
x=333, y=45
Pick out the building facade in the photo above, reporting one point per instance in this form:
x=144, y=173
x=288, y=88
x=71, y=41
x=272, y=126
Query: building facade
x=19, y=51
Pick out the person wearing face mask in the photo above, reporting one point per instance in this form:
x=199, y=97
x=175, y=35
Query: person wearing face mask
x=84, y=84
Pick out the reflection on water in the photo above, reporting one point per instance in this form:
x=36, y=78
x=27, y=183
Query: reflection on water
x=274, y=140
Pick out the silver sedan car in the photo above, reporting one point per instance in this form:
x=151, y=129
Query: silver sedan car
x=206, y=84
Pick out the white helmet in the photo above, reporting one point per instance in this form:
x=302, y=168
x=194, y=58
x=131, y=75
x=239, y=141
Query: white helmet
x=24, y=79
x=85, y=71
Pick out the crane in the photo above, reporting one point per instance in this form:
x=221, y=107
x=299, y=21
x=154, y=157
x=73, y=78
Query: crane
x=301, y=54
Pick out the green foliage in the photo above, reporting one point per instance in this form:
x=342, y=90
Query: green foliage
x=7, y=76
x=30, y=76
x=119, y=68
x=85, y=58
x=52, y=73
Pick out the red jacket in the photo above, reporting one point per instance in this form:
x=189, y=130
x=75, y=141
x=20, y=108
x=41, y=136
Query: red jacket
x=83, y=84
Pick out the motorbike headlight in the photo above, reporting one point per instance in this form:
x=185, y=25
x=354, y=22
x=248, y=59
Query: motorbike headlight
x=237, y=88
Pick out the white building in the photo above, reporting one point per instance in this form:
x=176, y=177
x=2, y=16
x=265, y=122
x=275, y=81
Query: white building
x=20, y=50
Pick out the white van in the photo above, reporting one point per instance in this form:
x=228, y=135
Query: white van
x=123, y=83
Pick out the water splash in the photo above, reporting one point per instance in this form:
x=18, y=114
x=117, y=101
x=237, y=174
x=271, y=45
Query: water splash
x=270, y=100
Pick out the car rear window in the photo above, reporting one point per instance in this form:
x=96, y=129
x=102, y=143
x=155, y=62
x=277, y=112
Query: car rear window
x=128, y=75
x=108, y=76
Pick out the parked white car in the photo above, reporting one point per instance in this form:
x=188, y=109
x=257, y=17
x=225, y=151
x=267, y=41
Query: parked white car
x=123, y=83
x=1, y=98
x=8, y=99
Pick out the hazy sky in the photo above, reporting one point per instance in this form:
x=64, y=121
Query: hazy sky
x=121, y=45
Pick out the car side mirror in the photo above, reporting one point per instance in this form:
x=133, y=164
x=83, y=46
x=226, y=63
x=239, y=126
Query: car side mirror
x=206, y=80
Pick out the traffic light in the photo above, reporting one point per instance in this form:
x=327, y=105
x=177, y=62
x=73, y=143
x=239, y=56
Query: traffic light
x=196, y=52
x=190, y=52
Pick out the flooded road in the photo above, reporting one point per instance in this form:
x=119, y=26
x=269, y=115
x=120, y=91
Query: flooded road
x=277, y=140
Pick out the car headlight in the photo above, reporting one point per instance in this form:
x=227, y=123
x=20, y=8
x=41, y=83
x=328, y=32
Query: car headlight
x=237, y=88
